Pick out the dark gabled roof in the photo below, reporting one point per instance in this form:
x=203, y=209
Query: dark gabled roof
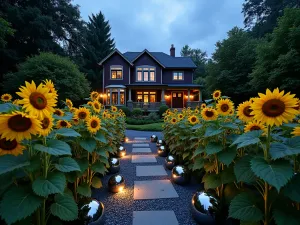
x=164, y=59
x=115, y=51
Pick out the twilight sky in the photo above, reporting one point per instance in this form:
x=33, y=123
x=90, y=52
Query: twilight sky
x=156, y=24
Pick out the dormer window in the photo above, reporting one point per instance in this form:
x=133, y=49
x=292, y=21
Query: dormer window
x=116, y=72
x=177, y=75
x=145, y=74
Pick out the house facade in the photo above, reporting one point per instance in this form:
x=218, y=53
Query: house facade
x=149, y=79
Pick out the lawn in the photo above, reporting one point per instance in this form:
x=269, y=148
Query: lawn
x=146, y=127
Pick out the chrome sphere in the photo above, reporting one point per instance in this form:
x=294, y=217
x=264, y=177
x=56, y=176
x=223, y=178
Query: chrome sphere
x=160, y=143
x=180, y=175
x=162, y=151
x=91, y=213
x=114, y=165
x=170, y=162
x=116, y=183
x=121, y=151
x=153, y=138
x=203, y=208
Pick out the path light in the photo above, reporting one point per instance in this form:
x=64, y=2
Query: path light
x=153, y=138
x=126, y=139
x=162, y=151
x=116, y=183
x=203, y=207
x=160, y=142
x=180, y=175
x=121, y=152
x=114, y=165
x=170, y=162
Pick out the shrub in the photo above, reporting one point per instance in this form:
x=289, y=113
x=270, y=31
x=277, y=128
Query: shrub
x=162, y=109
x=137, y=112
x=126, y=111
x=153, y=116
x=135, y=121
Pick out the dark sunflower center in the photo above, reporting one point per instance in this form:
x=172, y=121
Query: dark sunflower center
x=247, y=110
x=58, y=112
x=38, y=100
x=193, y=119
x=209, y=113
x=224, y=107
x=82, y=115
x=273, y=108
x=94, y=124
x=255, y=128
x=19, y=123
x=6, y=97
x=63, y=123
x=8, y=145
x=45, y=123
x=97, y=106
x=217, y=94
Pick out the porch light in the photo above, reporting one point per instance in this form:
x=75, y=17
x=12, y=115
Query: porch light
x=101, y=95
x=191, y=96
x=167, y=96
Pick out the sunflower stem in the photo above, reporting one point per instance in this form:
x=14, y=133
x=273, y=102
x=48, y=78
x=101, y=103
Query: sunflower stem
x=43, y=219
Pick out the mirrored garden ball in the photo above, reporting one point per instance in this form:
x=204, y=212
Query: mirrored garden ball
x=116, y=183
x=180, y=174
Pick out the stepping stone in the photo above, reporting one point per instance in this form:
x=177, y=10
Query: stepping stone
x=141, y=150
x=143, y=159
x=154, y=217
x=154, y=189
x=140, y=138
x=143, y=171
x=140, y=145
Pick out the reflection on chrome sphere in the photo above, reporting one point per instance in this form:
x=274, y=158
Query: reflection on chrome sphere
x=180, y=175
x=170, y=162
x=162, y=151
x=153, y=138
x=116, y=183
x=160, y=143
x=91, y=213
x=121, y=152
x=114, y=165
x=203, y=208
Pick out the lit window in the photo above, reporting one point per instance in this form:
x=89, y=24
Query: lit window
x=116, y=72
x=146, y=96
x=145, y=73
x=177, y=75
x=139, y=78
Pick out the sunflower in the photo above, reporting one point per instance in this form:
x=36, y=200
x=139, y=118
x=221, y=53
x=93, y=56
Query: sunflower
x=82, y=113
x=63, y=123
x=75, y=121
x=69, y=103
x=296, y=131
x=180, y=116
x=47, y=124
x=203, y=106
x=49, y=84
x=90, y=103
x=93, y=124
x=175, y=110
x=274, y=107
x=6, y=98
x=251, y=126
x=216, y=95
x=244, y=111
x=10, y=147
x=96, y=106
x=59, y=112
x=94, y=95
x=209, y=114
x=298, y=105
x=173, y=120
x=37, y=101
x=224, y=106
x=108, y=116
x=19, y=126
x=113, y=116
x=196, y=111
x=73, y=109
x=114, y=109
x=193, y=119
x=16, y=102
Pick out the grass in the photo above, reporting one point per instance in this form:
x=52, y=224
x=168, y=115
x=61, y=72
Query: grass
x=146, y=127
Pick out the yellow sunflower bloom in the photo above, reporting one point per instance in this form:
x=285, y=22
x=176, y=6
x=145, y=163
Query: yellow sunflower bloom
x=180, y=116
x=196, y=111
x=10, y=147
x=244, y=111
x=296, y=131
x=251, y=126
x=224, y=106
x=217, y=94
x=209, y=114
x=173, y=120
x=203, y=106
x=37, y=101
x=82, y=113
x=93, y=124
x=90, y=103
x=69, y=103
x=96, y=106
x=113, y=116
x=193, y=119
x=298, y=106
x=47, y=124
x=59, y=112
x=274, y=107
x=114, y=109
x=49, y=84
x=75, y=121
x=94, y=95
x=19, y=126
x=62, y=124
x=73, y=109
x=16, y=102
x=6, y=98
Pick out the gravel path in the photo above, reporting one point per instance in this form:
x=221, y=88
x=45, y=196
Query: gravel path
x=119, y=207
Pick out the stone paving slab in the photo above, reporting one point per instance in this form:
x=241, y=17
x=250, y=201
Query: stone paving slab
x=140, y=138
x=139, y=150
x=143, y=159
x=154, y=189
x=146, y=171
x=140, y=145
x=154, y=217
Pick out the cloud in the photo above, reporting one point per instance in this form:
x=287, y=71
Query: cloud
x=156, y=24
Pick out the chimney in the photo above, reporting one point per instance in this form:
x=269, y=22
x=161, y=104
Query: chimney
x=172, y=51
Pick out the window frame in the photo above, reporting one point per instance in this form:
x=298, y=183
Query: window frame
x=145, y=69
x=112, y=69
x=173, y=75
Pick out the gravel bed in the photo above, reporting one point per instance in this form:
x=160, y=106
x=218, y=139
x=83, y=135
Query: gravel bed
x=119, y=207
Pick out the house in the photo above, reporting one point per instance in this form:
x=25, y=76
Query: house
x=149, y=79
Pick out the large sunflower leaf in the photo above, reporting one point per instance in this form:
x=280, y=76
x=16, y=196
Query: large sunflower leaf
x=54, y=183
x=198, y=164
x=285, y=216
x=19, y=203
x=99, y=167
x=64, y=207
x=242, y=170
x=88, y=144
x=213, y=147
x=212, y=131
x=83, y=164
x=68, y=116
x=292, y=189
x=10, y=162
x=100, y=137
x=67, y=132
x=54, y=147
x=85, y=190
x=276, y=173
x=227, y=156
x=7, y=107
x=67, y=164
x=198, y=151
x=290, y=147
x=247, y=139
x=212, y=181
x=96, y=182
x=243, y=207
